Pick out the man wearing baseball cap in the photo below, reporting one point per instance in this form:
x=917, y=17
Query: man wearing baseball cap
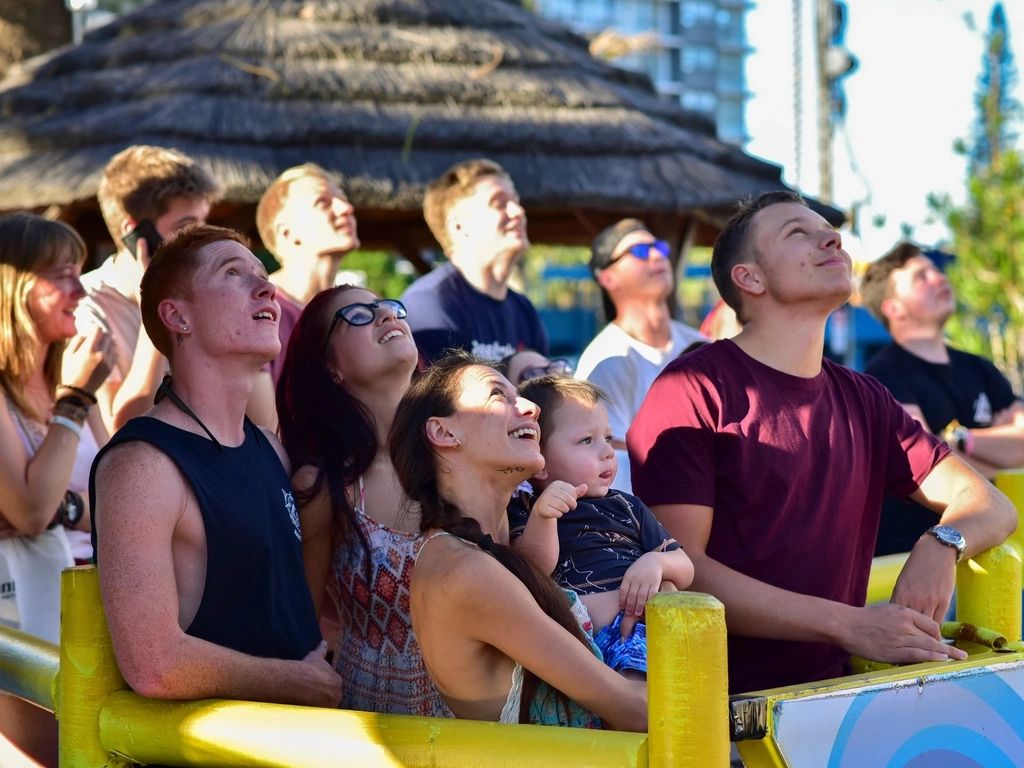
x=636, y=279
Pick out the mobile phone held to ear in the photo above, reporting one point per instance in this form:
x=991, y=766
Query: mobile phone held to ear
x=145, y=230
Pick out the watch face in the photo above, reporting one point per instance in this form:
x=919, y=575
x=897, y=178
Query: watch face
x=949, y=535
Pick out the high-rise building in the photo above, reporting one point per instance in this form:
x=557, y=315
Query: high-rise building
x=697, y=59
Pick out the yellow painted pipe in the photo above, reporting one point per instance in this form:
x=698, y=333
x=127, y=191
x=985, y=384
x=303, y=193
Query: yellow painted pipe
x=28, y=667
x=884, y=572
x=687, y=681
x=88, y=669
x=225, y=734
x=1011, y=482
x=988, y=593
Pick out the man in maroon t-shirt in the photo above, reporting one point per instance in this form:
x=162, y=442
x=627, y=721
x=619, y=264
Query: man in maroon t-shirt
x=306, y=221
x=769, y=464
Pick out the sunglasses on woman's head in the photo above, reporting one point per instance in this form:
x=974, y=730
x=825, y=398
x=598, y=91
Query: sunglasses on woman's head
x=364, y=314
x=557, y=367
x=643, y=251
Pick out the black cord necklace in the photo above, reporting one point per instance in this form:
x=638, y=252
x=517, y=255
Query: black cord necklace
x=165, y=390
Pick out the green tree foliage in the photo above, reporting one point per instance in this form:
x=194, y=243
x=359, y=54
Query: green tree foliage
x=988, y=229
x=387, y=274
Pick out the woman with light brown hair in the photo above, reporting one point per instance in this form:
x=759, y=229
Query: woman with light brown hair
x=49, y=435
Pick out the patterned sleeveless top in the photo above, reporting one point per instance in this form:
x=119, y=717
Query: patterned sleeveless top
x=378, y=658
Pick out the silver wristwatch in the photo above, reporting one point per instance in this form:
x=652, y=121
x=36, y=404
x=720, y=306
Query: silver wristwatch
x=949, y=536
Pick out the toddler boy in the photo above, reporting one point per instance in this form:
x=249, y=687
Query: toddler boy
x=603, y=544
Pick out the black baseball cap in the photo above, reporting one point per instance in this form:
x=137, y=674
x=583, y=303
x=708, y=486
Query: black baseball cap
x=605, y=243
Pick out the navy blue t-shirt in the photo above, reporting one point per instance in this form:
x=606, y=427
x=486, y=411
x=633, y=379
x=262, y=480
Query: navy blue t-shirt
x=599, y=540
x=446, y=312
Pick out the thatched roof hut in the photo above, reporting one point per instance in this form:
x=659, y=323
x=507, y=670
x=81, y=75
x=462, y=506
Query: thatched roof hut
x=388, y=94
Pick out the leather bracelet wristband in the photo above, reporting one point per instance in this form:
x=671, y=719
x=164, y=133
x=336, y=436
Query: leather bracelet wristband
x=70, y=410
x=82, y=393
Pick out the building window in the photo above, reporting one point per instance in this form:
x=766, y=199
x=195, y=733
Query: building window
x=696, y=12
x=730, y=27
x=595, y=14
x=700, y=101
x=730, y=74
x=635, y=15
x=699, y=58
x=730, y=120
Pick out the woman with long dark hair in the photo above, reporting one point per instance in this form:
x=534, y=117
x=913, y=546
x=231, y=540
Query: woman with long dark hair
x=501, y=641
x=348, y=364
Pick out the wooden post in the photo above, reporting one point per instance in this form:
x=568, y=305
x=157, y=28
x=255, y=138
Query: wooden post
x=687, y=681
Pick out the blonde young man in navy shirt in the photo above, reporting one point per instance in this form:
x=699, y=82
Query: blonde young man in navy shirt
x=474, y=212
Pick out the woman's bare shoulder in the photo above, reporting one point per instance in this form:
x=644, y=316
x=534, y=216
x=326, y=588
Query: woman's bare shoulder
x=457, y=566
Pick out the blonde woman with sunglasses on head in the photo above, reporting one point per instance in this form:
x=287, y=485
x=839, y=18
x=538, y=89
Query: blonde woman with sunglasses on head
x=49, y=434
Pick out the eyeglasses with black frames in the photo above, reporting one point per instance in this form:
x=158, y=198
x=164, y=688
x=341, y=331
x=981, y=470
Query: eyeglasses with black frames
x=557, y=367
x=364, y=314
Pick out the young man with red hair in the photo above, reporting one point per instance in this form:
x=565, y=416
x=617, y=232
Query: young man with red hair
x=195, y=526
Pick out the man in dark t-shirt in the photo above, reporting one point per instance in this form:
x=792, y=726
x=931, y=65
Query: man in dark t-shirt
x=957, y=395
x=768, y=464
x=474, y=212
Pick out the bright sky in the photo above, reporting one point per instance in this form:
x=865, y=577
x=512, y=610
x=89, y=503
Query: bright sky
x=911, y=97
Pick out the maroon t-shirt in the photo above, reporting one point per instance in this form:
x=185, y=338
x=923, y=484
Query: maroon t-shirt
x=290, y=311
x=795, y=470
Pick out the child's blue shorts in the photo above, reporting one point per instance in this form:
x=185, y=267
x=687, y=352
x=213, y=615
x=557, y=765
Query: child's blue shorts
x=620, y=654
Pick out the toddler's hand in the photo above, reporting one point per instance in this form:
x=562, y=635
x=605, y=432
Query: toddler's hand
x=557, y=499
x=642, y=580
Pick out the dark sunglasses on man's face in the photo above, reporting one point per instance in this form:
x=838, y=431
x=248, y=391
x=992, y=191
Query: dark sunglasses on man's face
x=364, y=314
x=557, y=367
x=644, y=250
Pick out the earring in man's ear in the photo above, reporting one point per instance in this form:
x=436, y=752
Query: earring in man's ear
x=458, y=443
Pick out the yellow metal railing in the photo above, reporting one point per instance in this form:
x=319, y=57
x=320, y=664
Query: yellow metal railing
x=102, y=723
x=28, y=668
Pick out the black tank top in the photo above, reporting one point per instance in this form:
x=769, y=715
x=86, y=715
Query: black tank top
x=255, y=599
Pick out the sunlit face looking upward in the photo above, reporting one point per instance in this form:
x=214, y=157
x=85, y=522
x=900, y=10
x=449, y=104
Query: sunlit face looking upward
x=489, y=220
x=318, y=214
x=630, y=275
x=919, y=293
x=798, y=259
x=233, y=309
x=495, y=428
x=360, y=354
x=579, y=449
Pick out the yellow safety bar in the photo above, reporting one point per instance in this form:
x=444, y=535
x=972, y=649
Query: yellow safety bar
x=102, y=723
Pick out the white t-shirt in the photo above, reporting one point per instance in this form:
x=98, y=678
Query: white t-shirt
x=110, y=305
x=626, y=368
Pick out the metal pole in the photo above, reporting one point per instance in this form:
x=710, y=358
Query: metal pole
x=824, y=30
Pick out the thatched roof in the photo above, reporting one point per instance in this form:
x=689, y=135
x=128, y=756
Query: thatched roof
x=388, y=93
